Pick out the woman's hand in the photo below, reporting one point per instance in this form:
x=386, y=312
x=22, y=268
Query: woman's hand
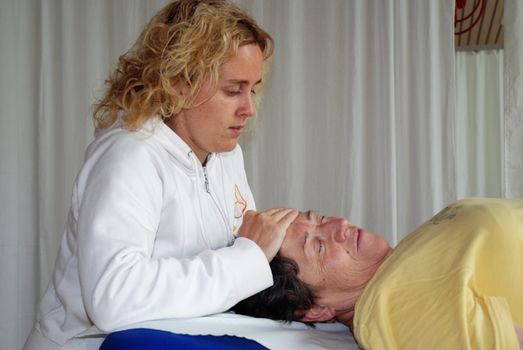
x=267, y=228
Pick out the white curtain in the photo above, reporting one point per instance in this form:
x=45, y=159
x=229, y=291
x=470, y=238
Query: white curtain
x=480, y=127
x=513, y=107
x=358, y=120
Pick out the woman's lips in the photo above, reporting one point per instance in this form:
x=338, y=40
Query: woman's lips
x=236, y=130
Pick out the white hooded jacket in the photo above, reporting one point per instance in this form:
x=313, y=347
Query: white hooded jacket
x=150, y=235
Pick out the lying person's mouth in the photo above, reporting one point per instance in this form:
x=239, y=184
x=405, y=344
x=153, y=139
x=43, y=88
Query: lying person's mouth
x=357, y=233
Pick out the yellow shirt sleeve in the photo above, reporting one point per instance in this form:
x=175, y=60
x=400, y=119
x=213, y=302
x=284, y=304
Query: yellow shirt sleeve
x=456, y=282
x=491, y=319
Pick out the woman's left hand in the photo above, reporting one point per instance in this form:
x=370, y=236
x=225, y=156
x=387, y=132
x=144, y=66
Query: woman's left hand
x=268, y=228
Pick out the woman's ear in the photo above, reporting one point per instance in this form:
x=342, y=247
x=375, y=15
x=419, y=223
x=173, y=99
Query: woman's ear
x=319, y=313
x=179, y=86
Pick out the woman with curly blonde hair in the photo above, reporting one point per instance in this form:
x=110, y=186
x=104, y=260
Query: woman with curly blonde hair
x=161, y=223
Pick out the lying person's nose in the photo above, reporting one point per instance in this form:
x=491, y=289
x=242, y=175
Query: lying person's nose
x=340, y=230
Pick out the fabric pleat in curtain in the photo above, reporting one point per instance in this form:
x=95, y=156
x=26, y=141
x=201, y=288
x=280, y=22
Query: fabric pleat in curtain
x=479, y=118
x=358, y=119
x=19, y=228
x=513, y=98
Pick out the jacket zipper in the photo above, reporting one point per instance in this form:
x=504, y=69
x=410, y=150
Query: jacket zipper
x=224, y=218
x=207, y=189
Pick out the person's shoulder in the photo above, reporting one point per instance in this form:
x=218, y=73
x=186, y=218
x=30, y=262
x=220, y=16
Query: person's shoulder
x=487, y=201
x=490, y=204
x=121, y=142
x=121, y=151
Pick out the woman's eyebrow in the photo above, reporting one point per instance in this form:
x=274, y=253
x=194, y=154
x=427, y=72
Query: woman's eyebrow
x=242, y=82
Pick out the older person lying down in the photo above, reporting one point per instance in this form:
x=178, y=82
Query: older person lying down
x=456, y=282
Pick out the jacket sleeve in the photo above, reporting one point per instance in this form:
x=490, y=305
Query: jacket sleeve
x=121, y=283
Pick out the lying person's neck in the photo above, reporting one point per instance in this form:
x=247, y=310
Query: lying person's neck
x=346, y=317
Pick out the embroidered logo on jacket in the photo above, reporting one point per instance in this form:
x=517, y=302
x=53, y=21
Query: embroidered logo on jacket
x=240, y=205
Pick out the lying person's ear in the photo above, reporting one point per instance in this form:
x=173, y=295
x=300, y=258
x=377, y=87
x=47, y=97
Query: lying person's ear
x=318, y=313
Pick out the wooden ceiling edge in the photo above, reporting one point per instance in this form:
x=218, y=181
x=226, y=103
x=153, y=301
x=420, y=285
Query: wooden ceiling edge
x=487, y=32
x=479, y=47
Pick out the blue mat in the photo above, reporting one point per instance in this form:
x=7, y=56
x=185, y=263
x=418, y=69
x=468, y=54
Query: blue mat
x=143, y=339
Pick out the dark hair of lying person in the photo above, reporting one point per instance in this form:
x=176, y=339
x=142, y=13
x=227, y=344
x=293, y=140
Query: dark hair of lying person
x=287, y=300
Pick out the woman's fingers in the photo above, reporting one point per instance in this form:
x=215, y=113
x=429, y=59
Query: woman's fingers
x=268, y=228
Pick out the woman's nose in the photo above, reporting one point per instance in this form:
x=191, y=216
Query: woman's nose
x=247, y=108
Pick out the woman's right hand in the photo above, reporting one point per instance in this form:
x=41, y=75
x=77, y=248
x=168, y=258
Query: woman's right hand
x=268, y=228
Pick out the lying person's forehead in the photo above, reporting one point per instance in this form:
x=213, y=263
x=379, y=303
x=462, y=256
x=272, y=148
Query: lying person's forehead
x=308, y=215
x=305, y=215
x=313, y=214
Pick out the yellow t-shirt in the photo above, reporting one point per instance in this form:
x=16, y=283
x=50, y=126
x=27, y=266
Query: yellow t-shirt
x=456, y=282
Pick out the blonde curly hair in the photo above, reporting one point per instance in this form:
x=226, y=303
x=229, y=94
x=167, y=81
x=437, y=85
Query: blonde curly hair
x=184, y=44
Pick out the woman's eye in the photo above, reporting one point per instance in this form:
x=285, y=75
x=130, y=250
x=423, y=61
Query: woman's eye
x=253, y=92
x=233, y=92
